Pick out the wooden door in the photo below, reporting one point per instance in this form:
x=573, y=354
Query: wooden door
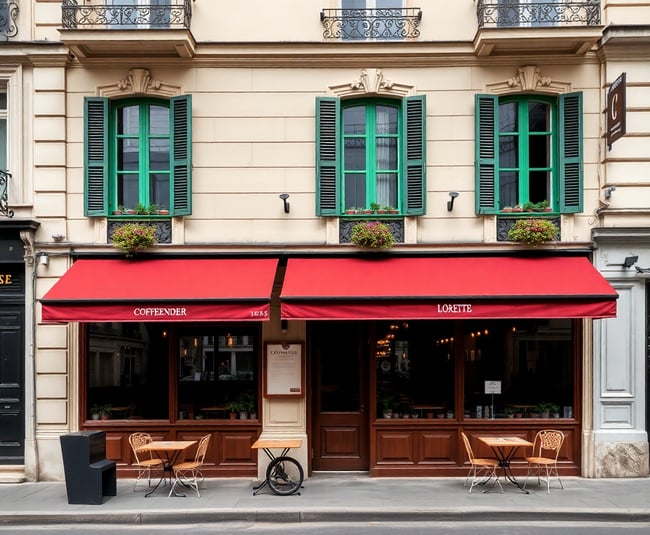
x=340, y=396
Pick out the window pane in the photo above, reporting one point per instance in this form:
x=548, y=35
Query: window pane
x=386, y=153
x=355, y=190
x=128, y=157
x=339, y=368
x=124, y=369
x=216, y=368
x=158, y=154
x=3, y=144
x=354, y=154
x=127, y=190
x=539, y=186
x=159, y=120
x=128, y=119
x=386, y=120
x=538, y=117
x=509, y=152
x=508, y=189
x=415, y=368
x=159, y=189
x=354, y=120
x=387, y=189
x=533, y=359
x=508, y=117
x=539, y=152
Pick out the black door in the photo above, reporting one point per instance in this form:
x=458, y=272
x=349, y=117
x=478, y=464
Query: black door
x=12, y=404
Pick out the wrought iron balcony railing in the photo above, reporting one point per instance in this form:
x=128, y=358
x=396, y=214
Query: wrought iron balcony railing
x=8, y=15
x=124, y=15
x=366, y=24
x=4, y=194
x=525, y=13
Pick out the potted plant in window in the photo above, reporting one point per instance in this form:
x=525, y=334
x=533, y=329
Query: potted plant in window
x=235, y=407
x=390, y=209
x=533, y=231
x=132, y=237
x=372, y=235
x=96, y=411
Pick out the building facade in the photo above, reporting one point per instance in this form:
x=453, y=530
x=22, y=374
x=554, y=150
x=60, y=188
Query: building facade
x=254, y=141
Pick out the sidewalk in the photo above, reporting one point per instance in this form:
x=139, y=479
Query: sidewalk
x=335, y=498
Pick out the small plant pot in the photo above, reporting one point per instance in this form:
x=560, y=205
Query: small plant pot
x=95, y=416
x=388, y=413
x=243, y=415
x=429, y=415
x=233, y=415
x=163, y=212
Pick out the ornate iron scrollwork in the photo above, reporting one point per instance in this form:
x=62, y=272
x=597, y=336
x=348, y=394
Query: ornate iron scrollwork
x=4, y=194
x=516, y=13
x=362, y=24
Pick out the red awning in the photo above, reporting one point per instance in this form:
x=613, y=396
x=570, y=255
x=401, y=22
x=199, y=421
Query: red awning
x=162, y=290
x=445, y=288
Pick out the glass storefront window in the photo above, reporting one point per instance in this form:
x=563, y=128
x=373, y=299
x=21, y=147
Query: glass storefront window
x=415, y=364
x=127, y=371
x=217, y=373
x=530, y=361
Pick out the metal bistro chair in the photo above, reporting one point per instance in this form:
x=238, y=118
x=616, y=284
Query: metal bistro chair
x=145, y=462
x=543, y=462
x=188, y=473
x=481, y=470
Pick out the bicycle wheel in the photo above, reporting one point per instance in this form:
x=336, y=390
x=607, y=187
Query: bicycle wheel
x=284, y=475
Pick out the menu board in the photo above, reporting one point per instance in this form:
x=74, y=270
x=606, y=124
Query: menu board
x=284, y=370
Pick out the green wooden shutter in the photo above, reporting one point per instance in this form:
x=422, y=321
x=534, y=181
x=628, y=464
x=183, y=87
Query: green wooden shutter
x=414, y=149
x=96, y=156
x=181, y=155
x=570, y=161
x=328, y=163
x=486, y=159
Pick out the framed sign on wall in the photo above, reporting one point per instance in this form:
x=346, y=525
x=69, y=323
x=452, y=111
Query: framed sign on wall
x=284, y=370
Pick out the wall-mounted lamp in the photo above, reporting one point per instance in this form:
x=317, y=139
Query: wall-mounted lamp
x=608, y=192
x=43, y=259
x=450, y=204
x=284, y=197
x=630, y=261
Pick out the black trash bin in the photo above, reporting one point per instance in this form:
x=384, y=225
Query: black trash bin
x=89, y=476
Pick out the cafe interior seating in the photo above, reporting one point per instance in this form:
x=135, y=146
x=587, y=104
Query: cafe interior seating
x=189, y=473
x=543, y=461
x=481, y=470
x=144, y=462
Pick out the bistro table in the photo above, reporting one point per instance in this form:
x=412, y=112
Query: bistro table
x=504, y=449
x=168, y=451
x=282, y=468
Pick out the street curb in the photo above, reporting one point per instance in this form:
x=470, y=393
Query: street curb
x=315, y=516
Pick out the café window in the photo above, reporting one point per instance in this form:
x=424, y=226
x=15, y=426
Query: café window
x=415, y=369
x=217, y=374
x=127, y=371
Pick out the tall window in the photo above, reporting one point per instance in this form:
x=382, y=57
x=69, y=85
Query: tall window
x=370, y=151
x=360, y=22
x=138, y=151
x=130, y=14
x=3, y=126
x=513, y=13
x=529, y=150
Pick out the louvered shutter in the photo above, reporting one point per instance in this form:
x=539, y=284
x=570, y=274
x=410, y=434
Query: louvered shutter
x=570, y=161
x=414, y=113
x=95, y=156
x=181, y=155
x=486, y=159
x=327, y=155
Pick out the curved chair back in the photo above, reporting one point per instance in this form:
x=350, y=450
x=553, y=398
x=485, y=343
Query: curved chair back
x=548, y=443
x=468, y=447
x=137, y=440
x=202, y=449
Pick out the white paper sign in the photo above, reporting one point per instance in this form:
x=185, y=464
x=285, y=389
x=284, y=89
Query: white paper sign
x=492, y=387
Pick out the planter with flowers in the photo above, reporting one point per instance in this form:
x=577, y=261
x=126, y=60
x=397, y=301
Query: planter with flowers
x=133, y=237
x=533, y=231
x=372, y=235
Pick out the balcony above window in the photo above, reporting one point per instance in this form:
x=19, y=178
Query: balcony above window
x=100, y=29
x=8, y=14
x=536, y=27
x=387, y=24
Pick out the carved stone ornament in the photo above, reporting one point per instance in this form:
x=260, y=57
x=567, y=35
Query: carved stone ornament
x=372, y=82
x=27, y=237
x=139, y=82
x=529, y=78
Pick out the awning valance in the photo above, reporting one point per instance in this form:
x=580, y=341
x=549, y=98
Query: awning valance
x=104, y=290
x=445, y=288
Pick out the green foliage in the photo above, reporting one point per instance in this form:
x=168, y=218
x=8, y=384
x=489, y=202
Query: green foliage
x=132, y=237
x=372, y=235
x=533, y=231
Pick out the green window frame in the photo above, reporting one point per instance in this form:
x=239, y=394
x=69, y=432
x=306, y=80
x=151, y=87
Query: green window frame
x=554, y=152
x=101, y=139
x=331, y=140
